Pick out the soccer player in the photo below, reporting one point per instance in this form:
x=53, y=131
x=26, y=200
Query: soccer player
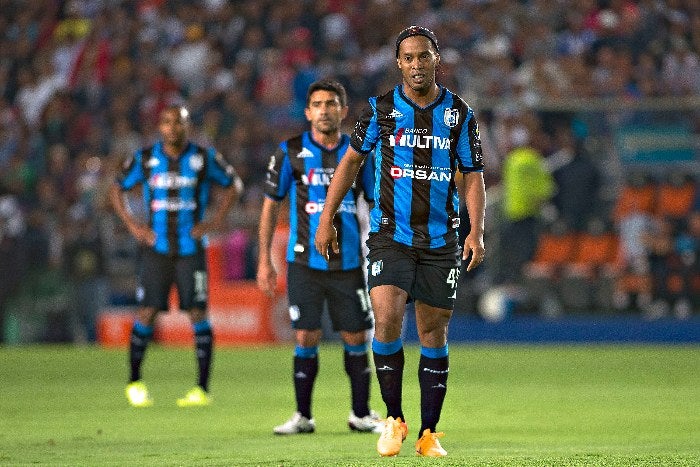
x=420, y=134
x=177, y=178
x=302, y=168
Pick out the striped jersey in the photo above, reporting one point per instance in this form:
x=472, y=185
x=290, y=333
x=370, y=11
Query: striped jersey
x=176, y=192
x=303, y=169
x=417, y=151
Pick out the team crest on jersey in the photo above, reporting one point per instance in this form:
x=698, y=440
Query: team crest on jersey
x=451, y=117
x=305, y=153
x=196, y=162
x=152, y=162
x=377, y=267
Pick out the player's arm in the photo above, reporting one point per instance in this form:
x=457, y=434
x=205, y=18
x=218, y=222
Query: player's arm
x=474, y=193
x=220, y=172
x=217, y=220
x=131, y=172
x=267, y=275
x=342, y=180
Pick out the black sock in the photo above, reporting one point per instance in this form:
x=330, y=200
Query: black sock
x=357, y=369
x=204, y=344
x=389, y=370
x=305, y=371
x=432, y=377
x=140, y=336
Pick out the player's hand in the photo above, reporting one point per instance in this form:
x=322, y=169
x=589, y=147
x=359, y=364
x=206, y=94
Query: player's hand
x=326, y=236
x=199, y=230
x=143, y=234
x=266, y=278
x=474, y=244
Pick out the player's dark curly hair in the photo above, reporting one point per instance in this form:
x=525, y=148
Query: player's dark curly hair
x=330, y=85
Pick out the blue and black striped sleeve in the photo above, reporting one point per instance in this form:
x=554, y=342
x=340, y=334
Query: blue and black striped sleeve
x=366, y=178
x=469, y=145
x=131, y=173
x=279, y=176
x=366, y=132
x=219, y=169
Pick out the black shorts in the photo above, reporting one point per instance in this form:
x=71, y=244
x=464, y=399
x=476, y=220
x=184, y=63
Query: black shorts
x=344, y=292
x=159, y=272
x=426, y=274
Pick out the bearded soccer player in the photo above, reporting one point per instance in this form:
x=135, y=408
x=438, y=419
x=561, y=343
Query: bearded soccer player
x=302, y=168
x=420, y=136
x=177, y=178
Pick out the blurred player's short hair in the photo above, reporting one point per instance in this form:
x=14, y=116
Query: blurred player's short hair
x=330, y=85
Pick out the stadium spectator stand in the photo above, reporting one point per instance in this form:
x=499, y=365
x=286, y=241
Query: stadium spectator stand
x=81, y=80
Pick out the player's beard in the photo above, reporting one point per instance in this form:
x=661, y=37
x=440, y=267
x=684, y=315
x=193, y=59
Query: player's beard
x=326, y=127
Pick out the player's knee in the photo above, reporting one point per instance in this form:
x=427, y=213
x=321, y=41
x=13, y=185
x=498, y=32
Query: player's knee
x=197, y=315
x=308, y=337
x=146, y=316
x=354, y=338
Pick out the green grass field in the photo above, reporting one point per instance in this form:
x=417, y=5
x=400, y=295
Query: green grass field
x=506, y=405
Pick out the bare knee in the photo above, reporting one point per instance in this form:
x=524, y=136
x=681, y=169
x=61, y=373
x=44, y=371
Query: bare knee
x=389, y=303
x=146, y=315
x=431, y=324
x=196, y=315
x=354, y=338
x=307, y=337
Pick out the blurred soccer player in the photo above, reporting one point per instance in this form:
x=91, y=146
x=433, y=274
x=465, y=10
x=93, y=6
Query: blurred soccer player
x=177, y=178
x=302, y=168
x=420, y=134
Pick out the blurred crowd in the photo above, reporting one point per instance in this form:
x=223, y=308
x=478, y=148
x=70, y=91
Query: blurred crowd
x=82, y=81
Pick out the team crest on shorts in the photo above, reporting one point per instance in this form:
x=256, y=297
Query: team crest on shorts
x=377, y=267
x=294, y=313
x=451, y=117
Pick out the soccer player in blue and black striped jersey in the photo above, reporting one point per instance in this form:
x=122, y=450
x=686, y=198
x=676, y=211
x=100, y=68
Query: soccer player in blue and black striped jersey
x=425, y=143
x=177, y=178
x=301, y=169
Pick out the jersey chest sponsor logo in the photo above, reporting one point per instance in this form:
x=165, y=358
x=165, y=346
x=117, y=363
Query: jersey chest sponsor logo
x=318, y=176
x=423, y=173
x=313, y=207
x=417, y=138
x=171, y=180
x=173, y=204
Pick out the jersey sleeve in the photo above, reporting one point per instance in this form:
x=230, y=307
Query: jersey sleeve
x=219, y=170
x=366, y=132
x=469, y=146
x=131, y=173
x=279, y=174
x=366, y=178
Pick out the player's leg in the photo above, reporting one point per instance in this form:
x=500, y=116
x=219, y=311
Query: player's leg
x=350, y=313
x=388, y=303
x=193, y=295
x=391, y=271
x=436, y=282
x=305, y=307
x=141, y=334
x=155, y=278
x=305, y=368
x=357, y=368
x=433, y=366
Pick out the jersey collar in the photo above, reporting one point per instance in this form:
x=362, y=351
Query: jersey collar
x=438, y=99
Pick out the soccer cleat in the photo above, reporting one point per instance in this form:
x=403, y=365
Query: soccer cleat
x=137, y=394
x=393, y=435
x=297, y=424
x=368, y=424
x=429, y=446
x=195, y=397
